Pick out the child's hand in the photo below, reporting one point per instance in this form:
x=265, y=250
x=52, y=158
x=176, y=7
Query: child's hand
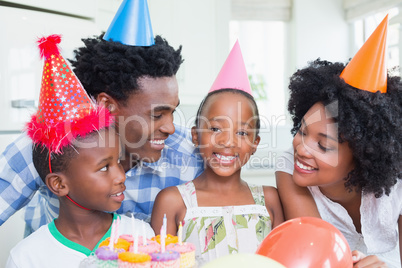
x=360, y=260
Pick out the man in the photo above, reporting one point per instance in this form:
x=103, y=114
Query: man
x=138, y=85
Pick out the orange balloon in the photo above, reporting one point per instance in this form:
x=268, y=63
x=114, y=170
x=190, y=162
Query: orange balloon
x=307, y=242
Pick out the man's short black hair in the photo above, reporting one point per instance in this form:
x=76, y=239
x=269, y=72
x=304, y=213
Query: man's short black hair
x=114, y=68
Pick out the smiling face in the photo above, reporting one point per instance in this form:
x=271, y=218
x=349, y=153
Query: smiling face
x=319, y=158
x=95, y=177
x=146, y=119
x=226, y=132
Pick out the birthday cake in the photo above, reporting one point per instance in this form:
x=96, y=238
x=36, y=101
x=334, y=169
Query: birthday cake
x=169, y=239
x=131, y=259
x=128, y=251
x=166, y=259
x=148, y=248
x=186, y=251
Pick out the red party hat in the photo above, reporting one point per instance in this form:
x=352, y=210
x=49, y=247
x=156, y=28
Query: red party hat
x=233, y=73
x=368, y=68
x=65, y=110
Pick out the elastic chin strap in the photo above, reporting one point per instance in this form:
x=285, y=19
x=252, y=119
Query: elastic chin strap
x=69, y=198
x=75, y=203
x=50, y=162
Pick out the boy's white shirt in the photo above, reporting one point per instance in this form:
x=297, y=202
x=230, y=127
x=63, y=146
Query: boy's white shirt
x=42, y=250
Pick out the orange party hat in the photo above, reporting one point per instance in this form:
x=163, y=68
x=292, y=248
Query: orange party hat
x=368, y=68
x=233, y=73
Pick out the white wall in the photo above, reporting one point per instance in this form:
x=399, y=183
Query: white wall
x=202, y=28
x=317, y=29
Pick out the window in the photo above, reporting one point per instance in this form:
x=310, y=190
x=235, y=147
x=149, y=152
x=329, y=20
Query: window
x=362, y=29
x=263, y=48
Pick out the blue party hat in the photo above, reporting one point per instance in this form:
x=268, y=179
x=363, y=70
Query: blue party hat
x=131, y=25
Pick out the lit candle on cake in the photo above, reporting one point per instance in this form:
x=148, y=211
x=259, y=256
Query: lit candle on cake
x=114, y=234
x=135, y=234
x=164, y=222
x=180, y=234
x=144, y=237
x=136, y=241
x=163, y=235
x=132, y=225
x=111, y=235
x=116, y=230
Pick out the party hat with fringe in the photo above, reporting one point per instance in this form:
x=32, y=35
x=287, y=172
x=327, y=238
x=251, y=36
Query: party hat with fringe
x=65, y=110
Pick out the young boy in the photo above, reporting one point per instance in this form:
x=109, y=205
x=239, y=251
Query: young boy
x=77, y=154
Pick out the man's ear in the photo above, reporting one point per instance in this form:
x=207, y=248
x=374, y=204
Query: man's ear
x=104, y=99
x=56, y=183
x=194, y=135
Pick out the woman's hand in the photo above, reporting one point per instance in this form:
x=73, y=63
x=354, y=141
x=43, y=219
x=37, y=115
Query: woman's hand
x=360, y=260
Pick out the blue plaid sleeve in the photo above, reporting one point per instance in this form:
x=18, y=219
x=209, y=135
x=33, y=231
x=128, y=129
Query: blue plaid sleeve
x=180, y=162
x=19, y=179
x=21, y=186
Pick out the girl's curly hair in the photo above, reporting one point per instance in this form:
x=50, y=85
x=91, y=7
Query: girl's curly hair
x=114, y=68
x=371, y=123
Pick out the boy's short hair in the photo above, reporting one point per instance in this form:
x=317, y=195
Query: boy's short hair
x=60, y=162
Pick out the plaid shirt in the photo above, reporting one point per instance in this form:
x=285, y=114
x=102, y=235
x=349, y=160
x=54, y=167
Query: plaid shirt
x=19, y=180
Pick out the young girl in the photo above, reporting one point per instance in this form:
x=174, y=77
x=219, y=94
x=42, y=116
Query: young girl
x=347, y=152
x=221, y=213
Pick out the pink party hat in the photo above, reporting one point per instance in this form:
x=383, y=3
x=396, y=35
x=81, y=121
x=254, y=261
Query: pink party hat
x=233, y=73
x=65, y=110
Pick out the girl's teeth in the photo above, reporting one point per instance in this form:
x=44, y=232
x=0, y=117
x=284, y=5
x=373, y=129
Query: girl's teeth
x=117, y=194
x=300, y=165
x=226, y=158
x=157, y=141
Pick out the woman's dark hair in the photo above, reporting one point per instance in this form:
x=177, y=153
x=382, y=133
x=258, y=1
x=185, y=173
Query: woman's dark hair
x=234, y=91
x=371, y=123
x=114, y=68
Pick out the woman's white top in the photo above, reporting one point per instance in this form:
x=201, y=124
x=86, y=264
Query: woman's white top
x=379, y=218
